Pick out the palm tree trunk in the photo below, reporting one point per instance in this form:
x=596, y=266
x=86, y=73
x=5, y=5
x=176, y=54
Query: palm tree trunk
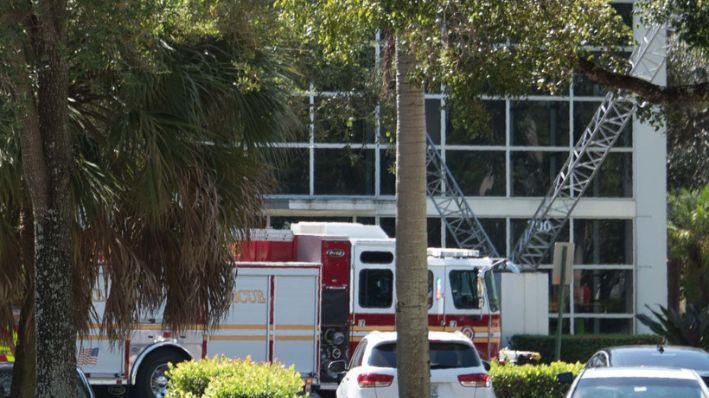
x=411, y=277
x=46, y=163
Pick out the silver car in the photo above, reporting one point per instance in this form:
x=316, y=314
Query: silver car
x=640, y=382
x=656, y=356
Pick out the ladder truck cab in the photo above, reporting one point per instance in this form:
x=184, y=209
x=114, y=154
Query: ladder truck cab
x=359, y=290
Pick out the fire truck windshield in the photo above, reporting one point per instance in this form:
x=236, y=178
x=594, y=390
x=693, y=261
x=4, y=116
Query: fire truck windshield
x=465, y=290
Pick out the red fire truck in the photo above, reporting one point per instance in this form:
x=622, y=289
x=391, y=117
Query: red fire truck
x=304, y=296
x=358, y=289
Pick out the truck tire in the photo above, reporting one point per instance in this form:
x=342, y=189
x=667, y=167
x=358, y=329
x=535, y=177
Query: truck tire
x=151, y=381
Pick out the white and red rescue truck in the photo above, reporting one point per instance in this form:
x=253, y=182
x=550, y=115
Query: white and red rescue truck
x=358, y=285
x=305, y=297
x=275, y=315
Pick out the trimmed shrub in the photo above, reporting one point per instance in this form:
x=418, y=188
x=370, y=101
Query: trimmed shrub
x=577, y=348
x=222, y=377
x=531, y=381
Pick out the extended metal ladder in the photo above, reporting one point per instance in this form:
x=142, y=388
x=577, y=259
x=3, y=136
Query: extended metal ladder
x=448, y=198
x=575, y=176
x=587, y=157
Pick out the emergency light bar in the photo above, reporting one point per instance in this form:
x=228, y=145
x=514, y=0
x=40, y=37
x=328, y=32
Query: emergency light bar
x=452, y=253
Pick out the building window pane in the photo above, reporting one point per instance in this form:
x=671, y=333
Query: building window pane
x=603, y=326
x=615, y=178
x=433, y=230
x=366, y=220
x=293, y=175
x=465, y=289
x=540, y=123
x=387, y=171
x=433, y=119
x=519, y=225
x=564, y=325
x=352, y=76
x=388, y=224
x=586, y=88
x=603, y=241
x=346, y=171
x=534, y=171
x=490, y=133
x=603, y=291
x=375, y=288
x=495, y=229
x=347, y=118
x=301, y=108
x=625, y=10
x=583, y=114
x=478, y=173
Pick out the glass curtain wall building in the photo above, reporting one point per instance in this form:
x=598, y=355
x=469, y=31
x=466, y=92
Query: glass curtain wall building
x=343, y=172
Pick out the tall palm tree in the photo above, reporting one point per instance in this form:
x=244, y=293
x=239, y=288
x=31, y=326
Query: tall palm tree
x=171, y=159
x=411, y=239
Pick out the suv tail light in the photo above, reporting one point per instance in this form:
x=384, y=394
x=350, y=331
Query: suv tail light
x=367, y=380
x=480, y=380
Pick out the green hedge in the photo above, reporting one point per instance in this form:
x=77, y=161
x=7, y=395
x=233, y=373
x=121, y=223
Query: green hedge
x=576, y=348
x=531, y=381
x=222, y=377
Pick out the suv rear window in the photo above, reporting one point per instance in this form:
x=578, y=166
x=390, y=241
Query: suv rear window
x=444, y=355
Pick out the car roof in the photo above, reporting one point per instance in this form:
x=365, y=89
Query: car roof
x=652, y=372
x=653, y=348
x=385, y=337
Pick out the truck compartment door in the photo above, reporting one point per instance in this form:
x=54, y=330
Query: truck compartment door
x=96, y=355
x=245, y=329
x=296, y=329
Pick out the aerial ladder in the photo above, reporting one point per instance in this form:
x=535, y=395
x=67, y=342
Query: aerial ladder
x=446, y=195
x=575, y=176
x=587, y=156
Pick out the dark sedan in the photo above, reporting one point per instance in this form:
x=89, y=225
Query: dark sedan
x=82, y=385
x=663, y=356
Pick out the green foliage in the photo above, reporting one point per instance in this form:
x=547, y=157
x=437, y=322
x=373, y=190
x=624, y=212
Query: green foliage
x=690, y=327
x=689, y=18
x=688, y=240
x=222, y=377
x=577, y=347
x=164, y=98
x=531, y=381
x=459, y=43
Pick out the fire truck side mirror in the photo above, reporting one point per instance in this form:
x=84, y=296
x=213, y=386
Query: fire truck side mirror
x=339, y=366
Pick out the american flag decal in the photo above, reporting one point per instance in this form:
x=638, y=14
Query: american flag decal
x=87, y=356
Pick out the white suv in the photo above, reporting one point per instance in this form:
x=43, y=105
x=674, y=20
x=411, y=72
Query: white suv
x=456, y=368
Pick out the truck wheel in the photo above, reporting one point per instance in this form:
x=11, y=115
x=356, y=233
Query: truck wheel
x=151, y=381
